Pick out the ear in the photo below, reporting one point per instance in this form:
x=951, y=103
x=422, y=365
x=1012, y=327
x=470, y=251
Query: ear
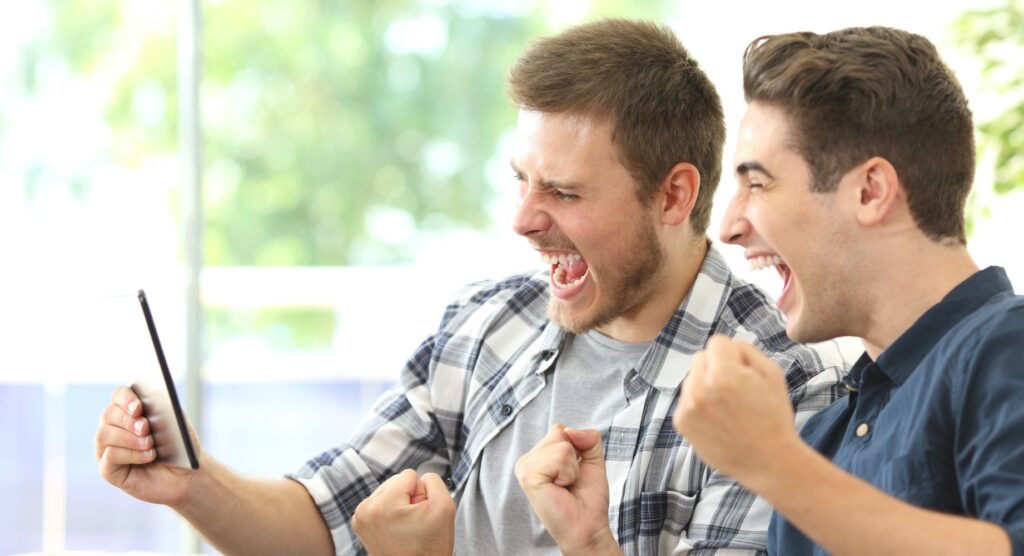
x=678, y=193
x=878, y=190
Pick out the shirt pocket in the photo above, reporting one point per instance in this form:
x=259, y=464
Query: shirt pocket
x=665, y=511
x=924, y=479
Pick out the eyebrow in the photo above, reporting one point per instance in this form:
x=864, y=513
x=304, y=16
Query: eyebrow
x=747, y=167
x=549, y=184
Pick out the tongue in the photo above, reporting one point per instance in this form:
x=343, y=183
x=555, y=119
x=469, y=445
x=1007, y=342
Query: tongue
x=575, y=269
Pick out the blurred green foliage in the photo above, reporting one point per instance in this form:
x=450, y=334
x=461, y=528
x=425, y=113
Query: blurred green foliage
x=995, y=36
x=335, y=133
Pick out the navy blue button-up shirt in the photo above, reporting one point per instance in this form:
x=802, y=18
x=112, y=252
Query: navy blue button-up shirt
x=938, y=420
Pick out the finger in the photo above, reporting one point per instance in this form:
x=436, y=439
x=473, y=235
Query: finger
x=436, y=492
x=722, y=353
x=116, y=416
x=126, y=399
x=565, y=463
x=758, y=361
x=555, y=435
x=588, y=443
x=400, y=488
x=555, y=463
x=421, y=492
x=119, y=438
x=113, y=456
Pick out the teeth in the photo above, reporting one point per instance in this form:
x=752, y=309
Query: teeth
x=560, y=259
x=757, y=263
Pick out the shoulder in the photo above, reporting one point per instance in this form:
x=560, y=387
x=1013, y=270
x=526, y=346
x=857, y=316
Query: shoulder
x=988, y=342
x=524, y=294
x=991, y=323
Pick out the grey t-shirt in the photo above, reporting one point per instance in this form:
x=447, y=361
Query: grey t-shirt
x=584, y=390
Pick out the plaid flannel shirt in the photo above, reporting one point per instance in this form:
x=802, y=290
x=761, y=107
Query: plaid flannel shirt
x=487, y=360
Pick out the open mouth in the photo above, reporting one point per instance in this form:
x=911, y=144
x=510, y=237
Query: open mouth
x=765, y=261
x=569, y=273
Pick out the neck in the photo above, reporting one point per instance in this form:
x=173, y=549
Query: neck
x=645, y=322
x=915, y=279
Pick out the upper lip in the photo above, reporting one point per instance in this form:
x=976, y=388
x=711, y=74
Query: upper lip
x=555, y=252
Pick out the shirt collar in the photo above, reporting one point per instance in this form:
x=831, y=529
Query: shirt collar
x=548, y=346
x=852, y=378
x=669, y=357
x=906, y=353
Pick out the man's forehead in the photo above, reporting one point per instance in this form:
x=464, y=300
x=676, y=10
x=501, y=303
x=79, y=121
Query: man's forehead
x=764, y=134
x=574, y=122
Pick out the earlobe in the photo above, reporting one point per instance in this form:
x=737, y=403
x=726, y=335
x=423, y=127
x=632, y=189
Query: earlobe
x=878, y=190
x=679, y=189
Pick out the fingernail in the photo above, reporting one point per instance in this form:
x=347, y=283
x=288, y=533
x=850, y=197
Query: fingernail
x=138, y=426
x=131, y=407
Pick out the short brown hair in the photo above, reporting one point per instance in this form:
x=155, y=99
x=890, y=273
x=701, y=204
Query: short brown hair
x=872, y=91
x=662, y=108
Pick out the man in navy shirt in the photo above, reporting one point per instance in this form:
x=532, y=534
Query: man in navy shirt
x=854, y=162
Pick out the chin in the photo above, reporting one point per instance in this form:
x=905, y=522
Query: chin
x=576, y=322
x=570, y=325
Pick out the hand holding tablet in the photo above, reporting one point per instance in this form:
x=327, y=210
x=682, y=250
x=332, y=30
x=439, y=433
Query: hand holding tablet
x=160, y=404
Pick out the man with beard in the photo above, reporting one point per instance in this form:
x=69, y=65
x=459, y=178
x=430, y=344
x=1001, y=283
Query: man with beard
x=854, y=162
x=617, y=158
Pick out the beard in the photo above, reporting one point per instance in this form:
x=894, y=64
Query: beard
x=624, y=283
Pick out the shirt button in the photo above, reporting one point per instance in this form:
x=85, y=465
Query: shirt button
x=449, y=482
x=506, y=410
x=863, y=429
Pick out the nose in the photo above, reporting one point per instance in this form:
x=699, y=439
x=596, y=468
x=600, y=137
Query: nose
x=735, y=226
x=530, y=218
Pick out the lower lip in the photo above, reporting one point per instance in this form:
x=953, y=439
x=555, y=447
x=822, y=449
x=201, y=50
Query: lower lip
x=571, y=291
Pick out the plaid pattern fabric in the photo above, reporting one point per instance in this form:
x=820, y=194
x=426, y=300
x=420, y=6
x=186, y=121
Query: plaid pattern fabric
x=470, y=379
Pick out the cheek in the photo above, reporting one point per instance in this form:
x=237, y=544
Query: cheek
x=762, y=218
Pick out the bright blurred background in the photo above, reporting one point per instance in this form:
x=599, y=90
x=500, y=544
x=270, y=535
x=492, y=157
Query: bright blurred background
x=349, y=175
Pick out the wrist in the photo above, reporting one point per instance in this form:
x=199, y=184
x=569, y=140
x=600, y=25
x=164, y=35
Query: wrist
x=205, y=479
x=603, y=543
x=791, y=459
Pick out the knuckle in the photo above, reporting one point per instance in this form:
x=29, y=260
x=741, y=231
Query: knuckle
x=122, y=396
x=519, y=470
x=126, y=420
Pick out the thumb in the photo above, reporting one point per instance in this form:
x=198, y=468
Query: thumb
x=402, y=488
x=420, y=492
x=588, y=443
x=435, y=491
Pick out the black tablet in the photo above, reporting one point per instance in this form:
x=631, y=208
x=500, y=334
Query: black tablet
x=161, y=407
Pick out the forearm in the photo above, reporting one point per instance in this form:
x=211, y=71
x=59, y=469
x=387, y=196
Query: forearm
x=242, y=515
x=849, y=516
